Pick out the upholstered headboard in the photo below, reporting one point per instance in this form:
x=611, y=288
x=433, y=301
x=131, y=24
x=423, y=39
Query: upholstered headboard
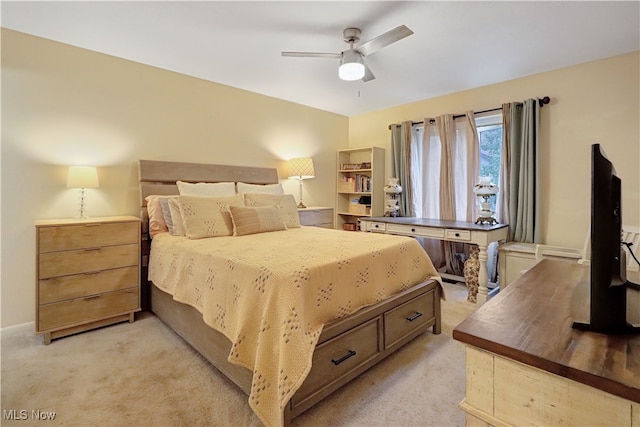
x=159, y=177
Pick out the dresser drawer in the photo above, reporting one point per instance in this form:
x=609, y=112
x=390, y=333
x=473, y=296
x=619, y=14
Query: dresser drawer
x=401, y=321
x=462, y=235
x=53, y=264
x=339, y=355
x=82, y=310
x=316, y=217
x=67, y=237
x=81, y=285
x=412, y=230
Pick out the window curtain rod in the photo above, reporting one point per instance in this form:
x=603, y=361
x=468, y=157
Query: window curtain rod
x=541, y=101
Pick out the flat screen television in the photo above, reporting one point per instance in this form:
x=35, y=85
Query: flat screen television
x=608, y=262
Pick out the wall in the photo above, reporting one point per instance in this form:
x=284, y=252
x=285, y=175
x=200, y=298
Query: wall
x=593, y=102
x=62, y=105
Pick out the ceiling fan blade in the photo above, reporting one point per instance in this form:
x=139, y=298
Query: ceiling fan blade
x=368, y=75
x=391, y=36
x=312, y=55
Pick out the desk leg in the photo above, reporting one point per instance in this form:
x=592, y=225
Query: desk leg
x=483, y=278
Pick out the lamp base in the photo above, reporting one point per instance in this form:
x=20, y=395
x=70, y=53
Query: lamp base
x=301, y=205
x=486, y=220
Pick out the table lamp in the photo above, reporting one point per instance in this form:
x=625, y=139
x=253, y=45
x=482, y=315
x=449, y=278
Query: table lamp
x=485, y=189
x=82, y=177
x=301, y=168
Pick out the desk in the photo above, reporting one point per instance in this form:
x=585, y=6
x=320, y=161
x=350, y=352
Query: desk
x=526, y=365
x=452, y=231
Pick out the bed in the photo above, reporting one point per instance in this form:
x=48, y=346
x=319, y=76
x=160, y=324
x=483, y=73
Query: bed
x=284, y=314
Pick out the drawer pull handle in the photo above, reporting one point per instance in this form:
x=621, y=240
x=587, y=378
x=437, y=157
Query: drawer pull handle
x=351, y=353
x=376, y=226
x=413, y=230
x=457, y=234
x=414, y=317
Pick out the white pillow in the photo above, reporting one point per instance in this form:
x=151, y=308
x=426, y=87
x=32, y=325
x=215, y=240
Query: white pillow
x=207, y=189
x=244, y=188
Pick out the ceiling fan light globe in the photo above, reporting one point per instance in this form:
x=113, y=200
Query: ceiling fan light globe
x=351, y=71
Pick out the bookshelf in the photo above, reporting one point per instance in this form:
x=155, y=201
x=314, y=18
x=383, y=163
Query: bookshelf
x=360, y=177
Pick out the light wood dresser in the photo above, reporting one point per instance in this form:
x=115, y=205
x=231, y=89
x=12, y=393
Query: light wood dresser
x=526, y=365
x=87, y=274
x=316, y=216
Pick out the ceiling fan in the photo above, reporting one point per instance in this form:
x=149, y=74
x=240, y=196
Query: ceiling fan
x=352, y=66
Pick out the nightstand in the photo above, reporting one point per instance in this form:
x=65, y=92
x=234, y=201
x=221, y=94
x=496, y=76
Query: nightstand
x=87, y=274
x=316, y=216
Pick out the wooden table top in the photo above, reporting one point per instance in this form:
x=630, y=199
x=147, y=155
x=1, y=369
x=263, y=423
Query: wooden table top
x=530, y=322
x=438, y=223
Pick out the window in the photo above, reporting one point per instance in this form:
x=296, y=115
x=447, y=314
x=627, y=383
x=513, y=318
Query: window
x=490, y=137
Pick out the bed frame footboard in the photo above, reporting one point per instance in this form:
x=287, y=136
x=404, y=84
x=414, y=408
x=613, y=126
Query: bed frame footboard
x=346, y=348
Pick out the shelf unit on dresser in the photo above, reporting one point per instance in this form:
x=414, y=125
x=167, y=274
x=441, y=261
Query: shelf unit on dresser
x=87, y=274
x=374, y=157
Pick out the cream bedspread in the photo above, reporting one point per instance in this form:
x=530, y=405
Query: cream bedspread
x=271, y=293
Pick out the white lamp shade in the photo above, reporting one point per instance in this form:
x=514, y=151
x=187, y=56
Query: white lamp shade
x=82, y=177
x=351, y=66
x=301, y=168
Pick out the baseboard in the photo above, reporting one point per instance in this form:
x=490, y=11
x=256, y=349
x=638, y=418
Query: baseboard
x=22, y=327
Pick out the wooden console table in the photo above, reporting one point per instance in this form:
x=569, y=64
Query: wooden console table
x=453, y=231
x=526, y=365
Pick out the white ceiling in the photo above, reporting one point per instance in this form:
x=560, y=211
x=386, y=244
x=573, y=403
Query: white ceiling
x=456, y=45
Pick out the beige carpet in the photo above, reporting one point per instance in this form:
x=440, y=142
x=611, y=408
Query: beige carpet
x=142, y=374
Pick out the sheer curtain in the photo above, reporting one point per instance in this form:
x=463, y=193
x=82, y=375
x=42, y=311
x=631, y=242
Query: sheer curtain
x=444, y=166
x=519, y=197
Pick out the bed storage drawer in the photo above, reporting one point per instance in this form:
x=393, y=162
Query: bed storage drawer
x=333, y=358
x=79, y=310
x=403, y=320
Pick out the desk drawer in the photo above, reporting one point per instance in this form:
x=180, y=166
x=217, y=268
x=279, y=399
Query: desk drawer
x=377, y=227
x=413, y=230
x=461, y=235
x=401, y=321
x=343, y=353
x=82, y=310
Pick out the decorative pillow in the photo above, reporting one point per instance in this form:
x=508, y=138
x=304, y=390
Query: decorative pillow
x=157, y=223
x=285, y=204
x=177, y=223
x=244, y=188
x=206, y=189
x=255, y=220
x=208, y=216
x=166, y=213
